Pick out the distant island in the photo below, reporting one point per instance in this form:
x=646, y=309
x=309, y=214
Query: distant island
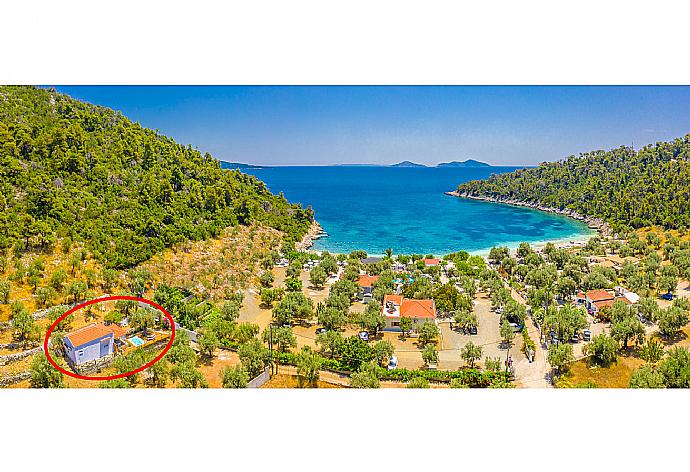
x=465, y=163
x=407, y=164
x=238, y=165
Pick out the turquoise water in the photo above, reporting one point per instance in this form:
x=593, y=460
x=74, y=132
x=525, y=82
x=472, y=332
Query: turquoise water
x=136, y=341
x=374, y=208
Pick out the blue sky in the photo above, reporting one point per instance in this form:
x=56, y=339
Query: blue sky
x=382, y=125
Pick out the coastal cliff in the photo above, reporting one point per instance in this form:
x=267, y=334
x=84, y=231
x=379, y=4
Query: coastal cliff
x=594, y=223
x=314, y=232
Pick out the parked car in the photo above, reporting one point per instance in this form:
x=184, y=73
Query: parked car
x=473, y=330
x=575, y=338
x=516, y=327
x=392, y=363
x=586, y=335
x=320, y=330
x=363, y=335
x=667, y=296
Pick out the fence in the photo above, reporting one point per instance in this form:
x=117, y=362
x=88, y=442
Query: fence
x=260, y=379
x=193, y=335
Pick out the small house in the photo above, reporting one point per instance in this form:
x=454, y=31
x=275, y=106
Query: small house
x=365, y=283
x=596, y=300
x=396, y=307
x=91, y=342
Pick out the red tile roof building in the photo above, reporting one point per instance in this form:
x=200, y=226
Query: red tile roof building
x=396, y=307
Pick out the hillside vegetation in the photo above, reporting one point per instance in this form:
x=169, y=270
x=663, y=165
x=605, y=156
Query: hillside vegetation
x=621, y=186
x=73, y=170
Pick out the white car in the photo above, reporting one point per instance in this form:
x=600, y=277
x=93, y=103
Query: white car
x=392, y=363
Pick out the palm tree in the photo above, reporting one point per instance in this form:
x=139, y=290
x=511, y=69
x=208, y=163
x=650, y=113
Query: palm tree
x=389, y=253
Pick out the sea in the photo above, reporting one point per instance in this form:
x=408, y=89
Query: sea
x=405, y=209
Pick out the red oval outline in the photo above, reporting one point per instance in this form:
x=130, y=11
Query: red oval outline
x=105, y=299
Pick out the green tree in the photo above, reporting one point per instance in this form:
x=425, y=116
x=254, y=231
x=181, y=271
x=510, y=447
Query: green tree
x=77, y=289
x=143, y=318
x=317, y=277
x=405, y=325
x=330, y=342
x=254, y=357
x=675, y=369
x=371, y=319
x=560, y=355
x=283, y=337
x=603, y=349
x=652, y=351
x=44, y=295
x=671, y=320
x=23, y=323
x=382, y=350
x=507, y=333
x=293, y=284
x=55, y=312
x=188, y=376
x=430, y=354
x=44, y=375
x=466, y=320
x=208, y=342
x=294, y=306
x=428, y=332
x=235, y=377
x=365, y=377
x=159, y=373
x=308, y=365
x=625, y=325
x=267, y=279
x=646, y=377
x=5, y=288
x=332, y=318
x=471, y=353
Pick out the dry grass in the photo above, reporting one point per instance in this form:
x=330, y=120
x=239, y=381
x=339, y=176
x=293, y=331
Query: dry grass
x=615, y=376
x=210, y=267
x=290, y=381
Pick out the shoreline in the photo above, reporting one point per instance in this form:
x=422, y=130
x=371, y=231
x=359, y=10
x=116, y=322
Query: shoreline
x=596, y=224
x=314, y=232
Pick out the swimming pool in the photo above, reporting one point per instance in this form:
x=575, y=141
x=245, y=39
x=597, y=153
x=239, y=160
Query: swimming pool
x=136, y=341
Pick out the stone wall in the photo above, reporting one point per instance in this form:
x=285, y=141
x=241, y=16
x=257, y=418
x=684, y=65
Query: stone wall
x=10, y=358
x=13, y=379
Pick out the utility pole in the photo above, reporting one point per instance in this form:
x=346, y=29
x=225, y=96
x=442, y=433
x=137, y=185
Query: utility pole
x=270, y=347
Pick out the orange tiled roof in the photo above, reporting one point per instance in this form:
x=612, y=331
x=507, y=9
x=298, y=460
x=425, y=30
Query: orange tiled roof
x=599, y=295
x=396, y=299
x=88, y=333
x=367, y=280
x=609, y=303
x=431, y=262
x=118, y=331
x=418, y=309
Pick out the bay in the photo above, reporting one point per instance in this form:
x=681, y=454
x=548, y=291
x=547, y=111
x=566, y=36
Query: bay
x=377, y=207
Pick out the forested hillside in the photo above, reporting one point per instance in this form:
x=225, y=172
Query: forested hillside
x=621, y=186
x=70, y=169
